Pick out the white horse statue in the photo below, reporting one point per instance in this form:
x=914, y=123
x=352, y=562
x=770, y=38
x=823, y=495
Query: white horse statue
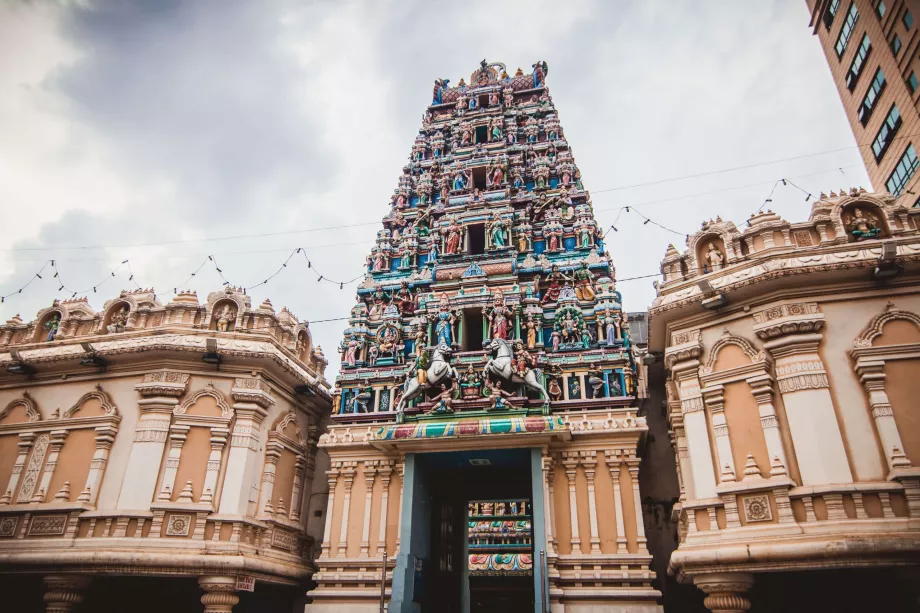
x=502, y=366
x=439, y=370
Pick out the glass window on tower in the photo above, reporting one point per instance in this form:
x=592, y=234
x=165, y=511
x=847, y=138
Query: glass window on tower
x=908, y=20
x=880, y=9
x=872, y=96
x=886, y=132
x=903, y=172
x=912, y=82
x=847, y=30
x=830, y=13
x=896, y=45
x=859, y=61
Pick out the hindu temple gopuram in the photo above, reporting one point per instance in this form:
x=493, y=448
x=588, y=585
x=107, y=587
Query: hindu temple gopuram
x=485, y=432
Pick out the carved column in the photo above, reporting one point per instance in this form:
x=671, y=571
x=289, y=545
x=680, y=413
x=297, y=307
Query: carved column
x=726, y=592
x=695, y=427
x=251, y=400
x=26, y=439
x=370, y=475
x=806, y=394
x=570, y=461
x=386, y=470
x=714, y=399
x=219, y=594
x=348, y=471
x=548, y=513
x=401, y=470
x=209, y=489
x=159, y=393
x=54, y=450
x=633, y=463
x=64, y=592
x=684, y=472
x=272, y=454
x=589, y=461
x=332, y=477
x=105, y=437
x=762, y=390
x=612, y=458
x=872, y=376
x=296, y=489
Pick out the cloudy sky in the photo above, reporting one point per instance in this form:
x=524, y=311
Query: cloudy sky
x=163, y=132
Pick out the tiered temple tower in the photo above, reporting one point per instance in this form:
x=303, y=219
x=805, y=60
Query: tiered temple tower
x=487, y=372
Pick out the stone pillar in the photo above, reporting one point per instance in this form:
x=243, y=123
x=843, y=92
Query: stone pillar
x=696, y=429
x=296, y=489
x=548, y=465
x=332, y=476
x=348, y=471
x=159, y=393
x=272, y=454
x=612, y=458
x=64, y=592
x=762, y=390
x=370, y=475
x=872, y=376
x=726, y=592
x=386, y=470
x=641, y=541
x=589, y=461
x=54, y=450
x=713, y=398
x=219, y=593
x=401, y=470
x=105, y=437
x=251, y=400
x=810, y=409
x=684, y=473
x=177, y=438
x=570, y=461
x=26, y=439
x=209, y=488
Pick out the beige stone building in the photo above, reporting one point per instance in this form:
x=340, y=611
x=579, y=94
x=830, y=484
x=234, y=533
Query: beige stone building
x=793, y=353
x=159, y=456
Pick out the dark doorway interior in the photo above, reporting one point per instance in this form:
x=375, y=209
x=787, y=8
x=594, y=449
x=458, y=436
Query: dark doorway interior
x=472, y=330
x=477, y=234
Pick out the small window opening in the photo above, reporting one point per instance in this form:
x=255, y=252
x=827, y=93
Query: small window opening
x=472, y=330
x=477, y=239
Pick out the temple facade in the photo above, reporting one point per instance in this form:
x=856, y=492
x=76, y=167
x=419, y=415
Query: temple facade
x=792, y=352
x=159, y=455
x=485, y=437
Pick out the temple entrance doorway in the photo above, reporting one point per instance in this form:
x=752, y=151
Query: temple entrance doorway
x=481, y=554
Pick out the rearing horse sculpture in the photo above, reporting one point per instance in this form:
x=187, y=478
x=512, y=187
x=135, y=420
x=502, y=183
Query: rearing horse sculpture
x=502, y=366
x=439, y=370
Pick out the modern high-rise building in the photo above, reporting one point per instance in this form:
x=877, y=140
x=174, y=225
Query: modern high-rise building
x=484, y=450
x=873, y=49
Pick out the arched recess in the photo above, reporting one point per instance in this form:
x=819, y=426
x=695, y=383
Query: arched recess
x=737, y=388
x=227, y=307
x=198, y=436
x=115, y=318
x=887, y=360
x=286, y=454
x=707, y=262
x=62, y=459
x=43, y=324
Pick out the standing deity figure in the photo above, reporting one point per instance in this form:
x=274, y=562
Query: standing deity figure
x=531, y=327
x=499, y=317
x=224, y=318
x=495, y=129
x=554, y=389
x=404, y=299
x=497, y=232
x=584, y=282
x=540, y=70
x=612, y=326
x=531, y=130
x=496, y=174
x=585, y=235
x=351, y=351
x=714, y=257
x=508, y=97
x=466, y=134
x=52, y=326
x=444, y=185
x=443, y=322
x=522, y=359
x=379, y=261
x=555, y=281
x=556, y=339
x=452, y=237
x=525, y=242
x=518, y=179
x=461, y=180
x=494, y=98
x=437, y=144
x=421, y=339
x=119, y=319
x=372, y=353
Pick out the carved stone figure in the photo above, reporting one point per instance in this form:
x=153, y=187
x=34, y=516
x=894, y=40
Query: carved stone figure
x=471, y=385
x=351, y=351
x=444, y=401
x=596, y=381
x=584, y=282
x=225, y=318
x=555, y=280
x=714, y=258
x=531, y=327
x=405, y=300
x=862, y=225
x=498, y=316
x=452, y=235
x=497, y=232
x=52, y=326
x=498, y=396
x=119, y=319
x=443, y=322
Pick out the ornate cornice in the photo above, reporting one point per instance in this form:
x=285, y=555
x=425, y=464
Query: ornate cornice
x=780, y=320
x=163, y=383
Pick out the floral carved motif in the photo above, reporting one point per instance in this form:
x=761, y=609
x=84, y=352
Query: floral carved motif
x=757, y=508
x=34, y=469
x=178, y=525
x=8, y=526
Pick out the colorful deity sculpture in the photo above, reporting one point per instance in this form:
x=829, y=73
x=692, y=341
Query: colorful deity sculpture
x=523, y=361
x=531, y=328
x=52, y=326
x=440, y=86
x=461, y=180
x=495, y=129
x=350, y=350
x=498, y=232
x=498, y=316
x=863, y=225
x=532, y=130
x=508, y=97
x=444, y=322
x=584, y=282
x=452, y=237
x=471, y=383
x=555, y=280
x=444, y=401
x=404, y=299
x=466, y=134
x=437, y=144
x=541, y=172
x=596, y=381
x=540, y=70
x=494, y=98
x=524, y=237
x=498, y=396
